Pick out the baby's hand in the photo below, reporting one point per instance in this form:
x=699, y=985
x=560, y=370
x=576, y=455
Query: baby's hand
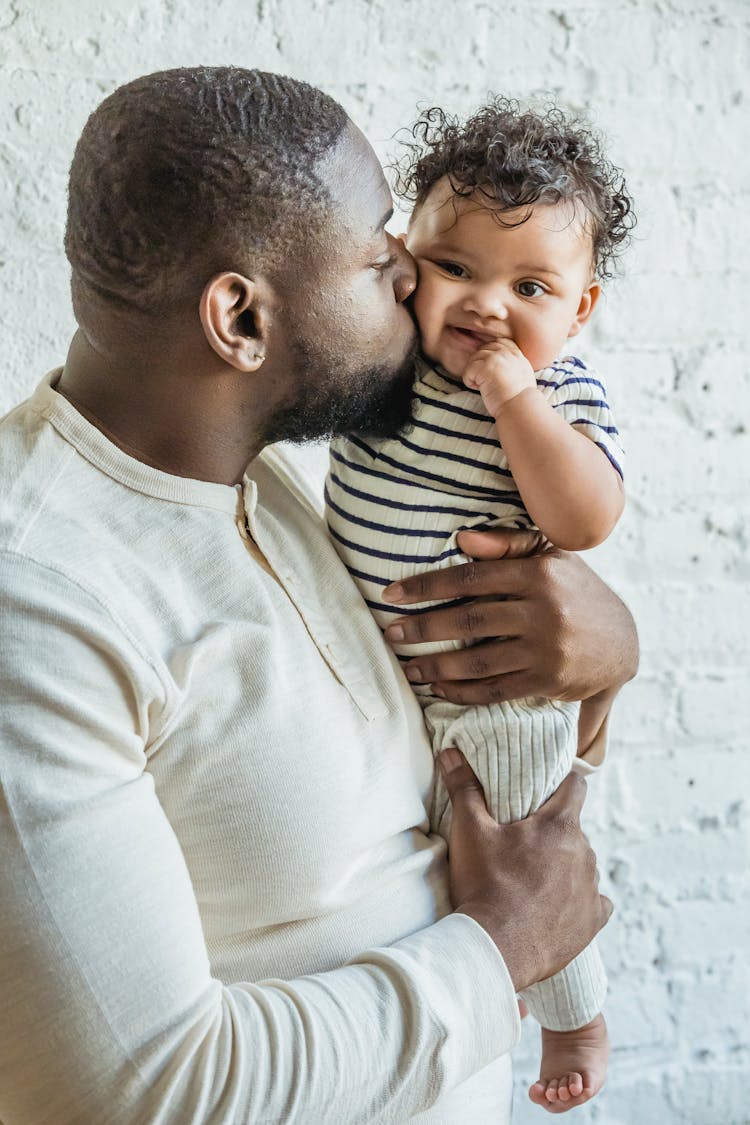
x=574, y=1066
x=499, y=371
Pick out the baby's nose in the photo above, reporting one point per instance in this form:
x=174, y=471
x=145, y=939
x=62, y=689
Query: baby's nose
x=487, y=301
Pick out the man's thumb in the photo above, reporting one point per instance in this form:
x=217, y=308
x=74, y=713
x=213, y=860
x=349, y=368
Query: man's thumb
x=461, y=782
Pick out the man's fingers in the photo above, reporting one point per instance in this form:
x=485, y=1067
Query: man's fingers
x=567, y=800
x=469, y=621
x=501, y=543
x=463, y=787
x=503, y=578
x=477, y=662
x=493, y=689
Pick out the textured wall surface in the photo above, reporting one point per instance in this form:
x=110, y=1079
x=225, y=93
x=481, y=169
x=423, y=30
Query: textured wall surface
x=668, y=83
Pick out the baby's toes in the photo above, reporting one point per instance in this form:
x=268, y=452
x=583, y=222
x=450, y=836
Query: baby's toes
x=537, y=1093
x=574, y=1083
x=551, y=1092
x=563, y=1093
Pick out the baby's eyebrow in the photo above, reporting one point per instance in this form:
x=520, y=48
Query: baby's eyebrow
x=526, y=267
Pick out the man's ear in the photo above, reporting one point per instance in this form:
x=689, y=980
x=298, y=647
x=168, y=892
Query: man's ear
x=234, y=312
x=589, y=297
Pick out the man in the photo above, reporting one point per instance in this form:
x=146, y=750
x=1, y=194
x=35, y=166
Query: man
x=221, y=901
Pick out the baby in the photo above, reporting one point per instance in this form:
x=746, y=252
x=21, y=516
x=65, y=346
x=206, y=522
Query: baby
x=517, y=218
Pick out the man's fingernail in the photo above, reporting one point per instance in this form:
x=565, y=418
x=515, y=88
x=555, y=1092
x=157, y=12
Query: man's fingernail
x=438, y=691
x=414, y=673
x=395, y=632
x=394, y=593
x=449, y=760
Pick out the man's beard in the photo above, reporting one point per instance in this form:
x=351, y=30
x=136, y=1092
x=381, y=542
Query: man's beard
x=330, y=400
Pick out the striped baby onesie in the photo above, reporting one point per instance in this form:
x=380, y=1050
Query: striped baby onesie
x=394, y=508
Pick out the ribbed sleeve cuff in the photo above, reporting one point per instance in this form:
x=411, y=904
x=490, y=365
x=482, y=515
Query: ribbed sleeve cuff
x=571, y=998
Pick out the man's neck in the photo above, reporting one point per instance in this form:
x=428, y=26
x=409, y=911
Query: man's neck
x=183, y=422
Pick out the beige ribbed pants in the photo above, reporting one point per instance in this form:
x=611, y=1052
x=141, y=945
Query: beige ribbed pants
x=520, y=751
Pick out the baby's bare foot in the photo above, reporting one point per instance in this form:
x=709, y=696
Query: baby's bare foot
x=574, y=1066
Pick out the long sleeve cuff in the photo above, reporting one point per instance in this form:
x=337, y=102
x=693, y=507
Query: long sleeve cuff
x=457, y=965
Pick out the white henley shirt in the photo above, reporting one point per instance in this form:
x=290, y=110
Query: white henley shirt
x=219, y=898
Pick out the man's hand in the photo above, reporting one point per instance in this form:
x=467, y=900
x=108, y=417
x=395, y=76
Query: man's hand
x=532, y=885
x=544, y=625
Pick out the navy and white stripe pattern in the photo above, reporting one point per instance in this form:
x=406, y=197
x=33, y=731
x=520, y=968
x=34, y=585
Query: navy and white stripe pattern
x=394, y=507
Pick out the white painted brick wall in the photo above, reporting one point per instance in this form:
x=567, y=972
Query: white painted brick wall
x=668, y=82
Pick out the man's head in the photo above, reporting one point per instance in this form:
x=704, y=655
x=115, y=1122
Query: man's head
x=210, y=197
x=184, y=173
x=517, y=216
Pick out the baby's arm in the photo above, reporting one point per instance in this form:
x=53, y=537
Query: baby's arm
x=569, y=488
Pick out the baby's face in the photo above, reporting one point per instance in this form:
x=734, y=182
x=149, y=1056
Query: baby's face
x=480, y=281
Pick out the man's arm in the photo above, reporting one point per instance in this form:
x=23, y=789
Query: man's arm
x=539, y=624
x=108, y=1010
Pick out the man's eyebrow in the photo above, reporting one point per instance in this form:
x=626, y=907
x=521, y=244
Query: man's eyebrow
x=386, y=219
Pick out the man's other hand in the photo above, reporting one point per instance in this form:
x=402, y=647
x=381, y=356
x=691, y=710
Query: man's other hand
x=533, y=884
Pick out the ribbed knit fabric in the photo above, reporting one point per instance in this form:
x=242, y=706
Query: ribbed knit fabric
x=395, y=508
x=521, y=751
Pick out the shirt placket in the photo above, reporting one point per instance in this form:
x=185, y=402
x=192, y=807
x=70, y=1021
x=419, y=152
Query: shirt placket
x=289, y=554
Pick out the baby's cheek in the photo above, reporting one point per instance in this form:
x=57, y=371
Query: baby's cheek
x=423, y=309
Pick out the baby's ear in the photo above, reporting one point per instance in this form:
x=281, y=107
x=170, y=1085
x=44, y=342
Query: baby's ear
x=586, y=306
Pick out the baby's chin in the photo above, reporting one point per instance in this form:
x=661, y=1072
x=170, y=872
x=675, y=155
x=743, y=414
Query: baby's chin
x=447, y=364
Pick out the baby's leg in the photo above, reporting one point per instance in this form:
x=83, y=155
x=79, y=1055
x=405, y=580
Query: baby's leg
x=519, y=750
x=574, y=1066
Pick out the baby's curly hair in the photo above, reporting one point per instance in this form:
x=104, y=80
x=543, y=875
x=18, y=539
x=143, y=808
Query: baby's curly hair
x=519, y=157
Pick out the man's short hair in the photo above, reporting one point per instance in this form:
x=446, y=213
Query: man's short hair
x=515, y=157
x=185, y=173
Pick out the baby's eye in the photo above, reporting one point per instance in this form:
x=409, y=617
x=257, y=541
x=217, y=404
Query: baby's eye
x=452, y=268
x=530, y=289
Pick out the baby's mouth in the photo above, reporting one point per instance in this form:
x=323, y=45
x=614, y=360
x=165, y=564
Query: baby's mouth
x=471, y=336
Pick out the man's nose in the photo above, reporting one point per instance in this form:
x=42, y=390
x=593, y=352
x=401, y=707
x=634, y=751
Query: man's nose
x=404, y=272
x=486, y=301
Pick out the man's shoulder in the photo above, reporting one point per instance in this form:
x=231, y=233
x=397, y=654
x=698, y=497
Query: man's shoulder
x=58, y=513
x=31, y=455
